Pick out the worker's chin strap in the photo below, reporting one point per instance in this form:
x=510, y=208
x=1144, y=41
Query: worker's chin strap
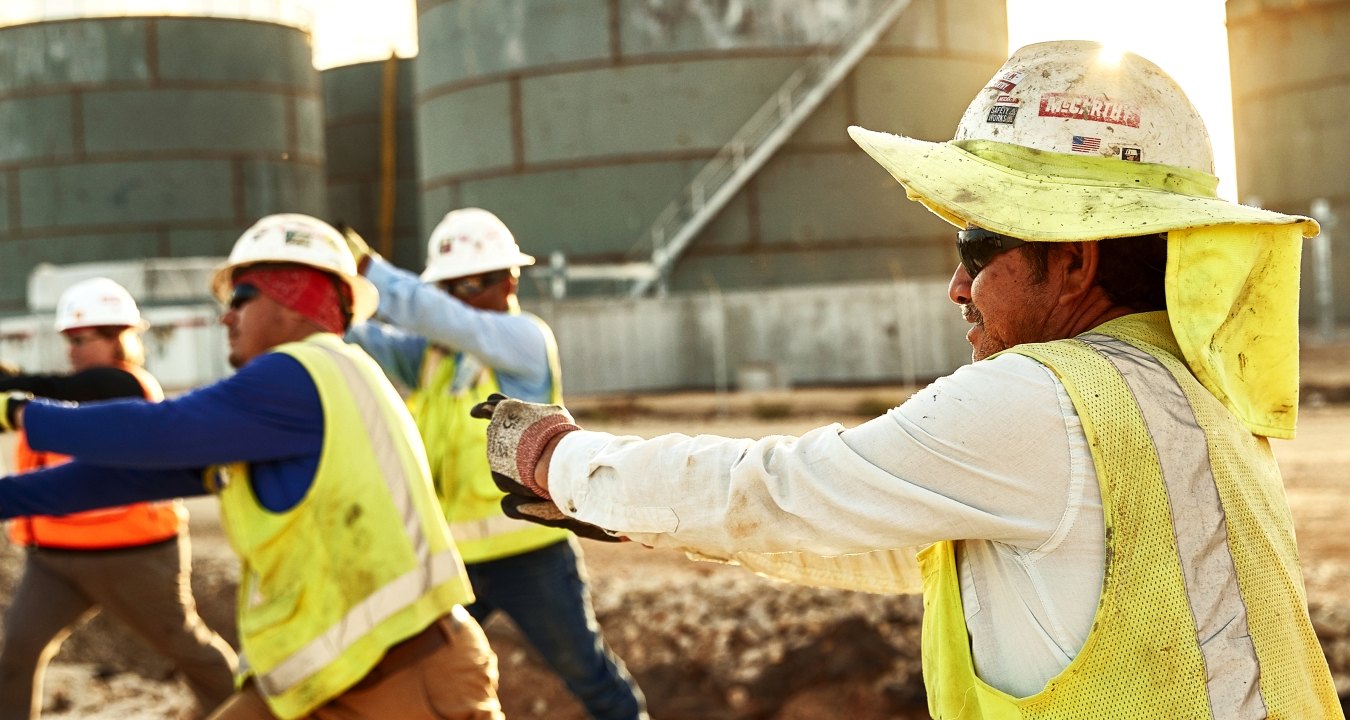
x=1232, y=296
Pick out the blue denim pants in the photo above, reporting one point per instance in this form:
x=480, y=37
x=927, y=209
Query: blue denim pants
x=544, y=593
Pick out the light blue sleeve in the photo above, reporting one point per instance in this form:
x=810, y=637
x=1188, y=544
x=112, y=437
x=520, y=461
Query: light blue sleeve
x=512, y=345
x=399, y=353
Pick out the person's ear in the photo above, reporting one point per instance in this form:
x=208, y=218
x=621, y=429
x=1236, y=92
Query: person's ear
x=1076, y=263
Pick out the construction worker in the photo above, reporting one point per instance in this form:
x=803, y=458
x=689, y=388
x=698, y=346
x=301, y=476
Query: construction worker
x=351, y=591
x=76, y=565
x=1106, y=529
x=454, y=336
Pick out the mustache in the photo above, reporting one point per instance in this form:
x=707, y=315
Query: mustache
x=971, y=314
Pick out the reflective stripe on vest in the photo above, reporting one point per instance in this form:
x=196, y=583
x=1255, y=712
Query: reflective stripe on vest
x=363, y=617
x=360, y=620
x=1209, y=574
x=466, y=531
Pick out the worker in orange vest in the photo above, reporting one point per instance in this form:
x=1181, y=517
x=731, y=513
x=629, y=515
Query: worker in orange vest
x=133, y=560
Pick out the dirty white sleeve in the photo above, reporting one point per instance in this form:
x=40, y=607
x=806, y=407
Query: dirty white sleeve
x=983, y=454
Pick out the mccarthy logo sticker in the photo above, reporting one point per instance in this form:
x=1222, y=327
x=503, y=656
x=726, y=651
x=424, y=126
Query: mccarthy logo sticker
x=1083, y=107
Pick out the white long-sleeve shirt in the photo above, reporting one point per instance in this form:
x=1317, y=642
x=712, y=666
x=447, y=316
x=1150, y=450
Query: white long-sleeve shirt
x=992, y=456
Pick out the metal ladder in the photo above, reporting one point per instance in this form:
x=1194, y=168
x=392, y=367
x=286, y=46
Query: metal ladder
x=742, y=156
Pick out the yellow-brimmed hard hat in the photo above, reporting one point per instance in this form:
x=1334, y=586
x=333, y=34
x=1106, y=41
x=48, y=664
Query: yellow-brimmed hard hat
x=1071, y=141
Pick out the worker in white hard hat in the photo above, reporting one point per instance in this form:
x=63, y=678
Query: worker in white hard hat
x=77, y=565
x=1104, y=524
x=351, y=591
x=454, y=336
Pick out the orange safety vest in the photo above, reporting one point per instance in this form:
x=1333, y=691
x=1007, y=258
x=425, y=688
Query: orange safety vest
x=116, y=527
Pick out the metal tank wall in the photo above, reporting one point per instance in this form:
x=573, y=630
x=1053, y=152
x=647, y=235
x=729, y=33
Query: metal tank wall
x=577, y=121
x=138, y=137
x=1291, y=97
x=352, y=96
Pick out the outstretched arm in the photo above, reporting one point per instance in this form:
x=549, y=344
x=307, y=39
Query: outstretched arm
x=269, y=410
x=506, y=342
x=76, y=486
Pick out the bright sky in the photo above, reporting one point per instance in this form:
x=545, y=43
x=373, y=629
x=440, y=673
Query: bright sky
x=1187, y=38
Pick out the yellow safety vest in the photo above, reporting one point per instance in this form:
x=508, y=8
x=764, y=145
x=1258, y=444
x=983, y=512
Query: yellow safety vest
x=361, y=563
x=457, y=452
x=1202, y=612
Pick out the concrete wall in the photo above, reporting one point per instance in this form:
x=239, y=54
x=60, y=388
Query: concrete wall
x=352, y=97
x=1291, y=98
x=140, y=137
x=577, y=121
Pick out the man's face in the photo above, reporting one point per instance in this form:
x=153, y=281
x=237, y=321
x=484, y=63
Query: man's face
x=256, y=324
x=484, y=291
x=1006, y=303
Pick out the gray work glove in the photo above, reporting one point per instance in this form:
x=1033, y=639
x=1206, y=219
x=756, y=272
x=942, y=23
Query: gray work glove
x=516, y=437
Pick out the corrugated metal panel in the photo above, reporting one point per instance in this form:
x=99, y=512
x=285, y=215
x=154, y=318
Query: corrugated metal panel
x=860, y=333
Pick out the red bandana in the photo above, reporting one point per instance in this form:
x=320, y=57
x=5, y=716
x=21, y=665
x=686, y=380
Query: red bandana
x=310, y=292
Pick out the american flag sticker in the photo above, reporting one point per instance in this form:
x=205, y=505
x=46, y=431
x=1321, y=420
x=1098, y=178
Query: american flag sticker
x=1086, y=144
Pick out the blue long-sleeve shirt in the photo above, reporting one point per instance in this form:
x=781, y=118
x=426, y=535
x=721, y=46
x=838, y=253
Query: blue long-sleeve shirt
x=268, y=414
x=511, y=344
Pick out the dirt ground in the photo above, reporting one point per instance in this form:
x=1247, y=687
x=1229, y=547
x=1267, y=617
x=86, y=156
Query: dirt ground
x=715, y=642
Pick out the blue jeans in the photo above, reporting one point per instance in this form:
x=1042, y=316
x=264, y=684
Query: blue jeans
x=544, y=593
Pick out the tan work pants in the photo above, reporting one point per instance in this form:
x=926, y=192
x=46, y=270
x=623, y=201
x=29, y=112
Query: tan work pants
x=447, y=672
x=148, y=588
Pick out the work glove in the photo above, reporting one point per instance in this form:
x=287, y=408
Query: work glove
x=516, y=437
x=10, y=403
x=361, y=251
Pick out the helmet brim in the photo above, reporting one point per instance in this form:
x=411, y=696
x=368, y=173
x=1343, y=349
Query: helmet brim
x=965, y=189
x=436, y=272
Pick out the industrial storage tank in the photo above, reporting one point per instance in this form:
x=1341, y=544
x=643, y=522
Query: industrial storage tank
x=1291, y=97
x=368, y=122
x=578, y=122
x=136, y=137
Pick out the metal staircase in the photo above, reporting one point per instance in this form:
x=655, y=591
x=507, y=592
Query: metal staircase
x=748, y=150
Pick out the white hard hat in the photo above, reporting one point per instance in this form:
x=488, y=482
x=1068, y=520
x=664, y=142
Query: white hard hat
x=1071, y=141
x=301, y=240
x=1081, y=98
x=97, y=302
x=470, y=241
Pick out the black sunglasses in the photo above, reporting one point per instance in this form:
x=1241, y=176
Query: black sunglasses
x=243, y=294
x=467, y=287
x=978, y=247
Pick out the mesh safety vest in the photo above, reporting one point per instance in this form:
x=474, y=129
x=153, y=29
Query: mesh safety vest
x=457, y=451
x=104, y=529
x=1202, y=612
x=361, y=563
